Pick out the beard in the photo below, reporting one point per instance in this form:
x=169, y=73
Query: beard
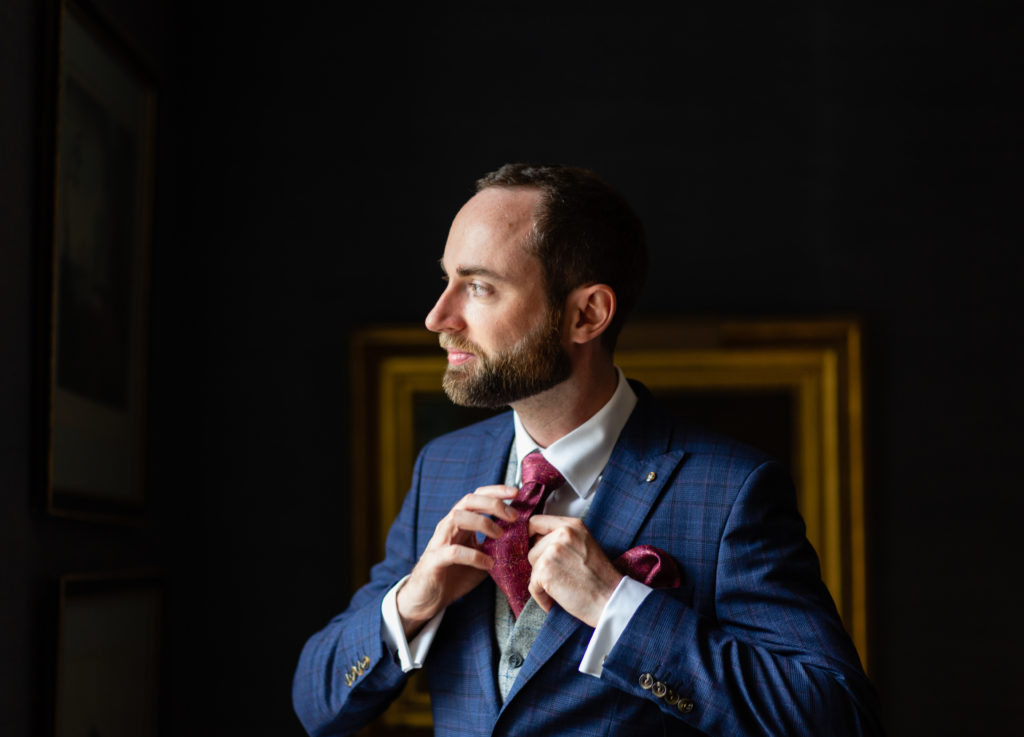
x=534, y=364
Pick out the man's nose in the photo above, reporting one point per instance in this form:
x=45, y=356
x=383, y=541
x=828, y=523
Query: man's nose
x=444, y=317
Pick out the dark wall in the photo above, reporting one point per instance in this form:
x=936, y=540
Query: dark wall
x=16, y=538
x=35, y=549
x=788, y=159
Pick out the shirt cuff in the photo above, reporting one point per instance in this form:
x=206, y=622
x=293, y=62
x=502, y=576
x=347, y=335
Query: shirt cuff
x=625, y=600
x=410, y=654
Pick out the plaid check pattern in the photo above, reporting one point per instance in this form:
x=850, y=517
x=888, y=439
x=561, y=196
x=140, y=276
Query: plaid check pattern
x=751, y=640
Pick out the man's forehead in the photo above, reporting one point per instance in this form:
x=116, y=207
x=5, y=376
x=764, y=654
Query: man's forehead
x=513, y=202
x=491, y=232
x=505, y=211
x=501, y=262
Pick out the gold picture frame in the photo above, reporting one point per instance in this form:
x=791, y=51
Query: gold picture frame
x=792, y=387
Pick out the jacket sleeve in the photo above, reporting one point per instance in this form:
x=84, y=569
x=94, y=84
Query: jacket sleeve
x=773, y=658
x=346, y=675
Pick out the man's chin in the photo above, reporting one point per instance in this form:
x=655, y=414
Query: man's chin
x=456, y=385
x=465, y=390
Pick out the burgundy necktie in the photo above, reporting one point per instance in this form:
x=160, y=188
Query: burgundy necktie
x=511, y=571
x=511, y=567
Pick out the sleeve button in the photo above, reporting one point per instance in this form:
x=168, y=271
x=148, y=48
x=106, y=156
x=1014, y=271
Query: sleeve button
x=685, y=705
x=671, y=698
x=646, y=681
x=660, y=689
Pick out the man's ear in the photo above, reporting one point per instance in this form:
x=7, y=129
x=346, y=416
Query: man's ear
x=588, y=311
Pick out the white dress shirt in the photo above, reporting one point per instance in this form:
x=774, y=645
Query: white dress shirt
x=580, y=456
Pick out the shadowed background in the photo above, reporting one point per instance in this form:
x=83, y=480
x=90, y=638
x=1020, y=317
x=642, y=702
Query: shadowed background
x=788, y=159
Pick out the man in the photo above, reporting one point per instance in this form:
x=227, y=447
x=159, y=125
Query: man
x=524, y=616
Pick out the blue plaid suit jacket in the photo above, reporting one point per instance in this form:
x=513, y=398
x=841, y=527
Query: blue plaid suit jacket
x=752, y=638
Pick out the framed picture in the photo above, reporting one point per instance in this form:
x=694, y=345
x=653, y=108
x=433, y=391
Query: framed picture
x=791, y=387
x=98, y=272
x=108, y=656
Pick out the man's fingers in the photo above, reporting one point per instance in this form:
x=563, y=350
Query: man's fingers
x=548, y=531
x=537, y=550
x=541, y=596
x=466, y=521
x=460, y=555
x=497, y=490
x=490, y=500
x=542, y=524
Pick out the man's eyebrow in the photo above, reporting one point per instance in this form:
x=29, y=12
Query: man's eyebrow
x=474, y=271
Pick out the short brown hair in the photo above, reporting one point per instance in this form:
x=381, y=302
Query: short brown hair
x=586, y=234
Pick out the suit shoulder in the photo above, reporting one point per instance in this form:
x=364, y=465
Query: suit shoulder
x=700, y=440
x=654, y=424
x=723, y=468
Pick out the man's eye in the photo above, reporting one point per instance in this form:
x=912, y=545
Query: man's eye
x=477, y=289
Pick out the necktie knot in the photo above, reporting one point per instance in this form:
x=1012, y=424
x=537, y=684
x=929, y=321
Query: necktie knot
x=540, y=478
x=536, y=469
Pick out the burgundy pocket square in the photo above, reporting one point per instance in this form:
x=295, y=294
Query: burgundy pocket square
x=649, y=565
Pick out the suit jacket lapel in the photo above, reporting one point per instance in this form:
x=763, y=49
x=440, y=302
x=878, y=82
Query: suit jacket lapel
x=478, y=605
x=640, y=466
x=637, y=472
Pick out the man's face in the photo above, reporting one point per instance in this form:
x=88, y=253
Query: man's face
x=504, y=343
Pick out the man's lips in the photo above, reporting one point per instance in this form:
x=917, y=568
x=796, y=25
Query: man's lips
x=457, y=357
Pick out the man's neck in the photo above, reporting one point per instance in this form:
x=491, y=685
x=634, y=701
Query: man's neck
x=554, y=413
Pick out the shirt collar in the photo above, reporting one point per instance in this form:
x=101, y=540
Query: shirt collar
x=581, y=455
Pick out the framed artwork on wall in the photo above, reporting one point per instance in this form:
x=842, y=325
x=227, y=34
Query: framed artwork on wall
x=790, y=387
x=108, y=655
x=97, y=272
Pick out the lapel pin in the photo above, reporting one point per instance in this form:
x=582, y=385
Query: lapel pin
x=651, y=476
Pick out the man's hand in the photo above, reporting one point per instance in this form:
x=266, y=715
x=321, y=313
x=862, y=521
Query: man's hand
x=570, y=568
x=452, y=565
